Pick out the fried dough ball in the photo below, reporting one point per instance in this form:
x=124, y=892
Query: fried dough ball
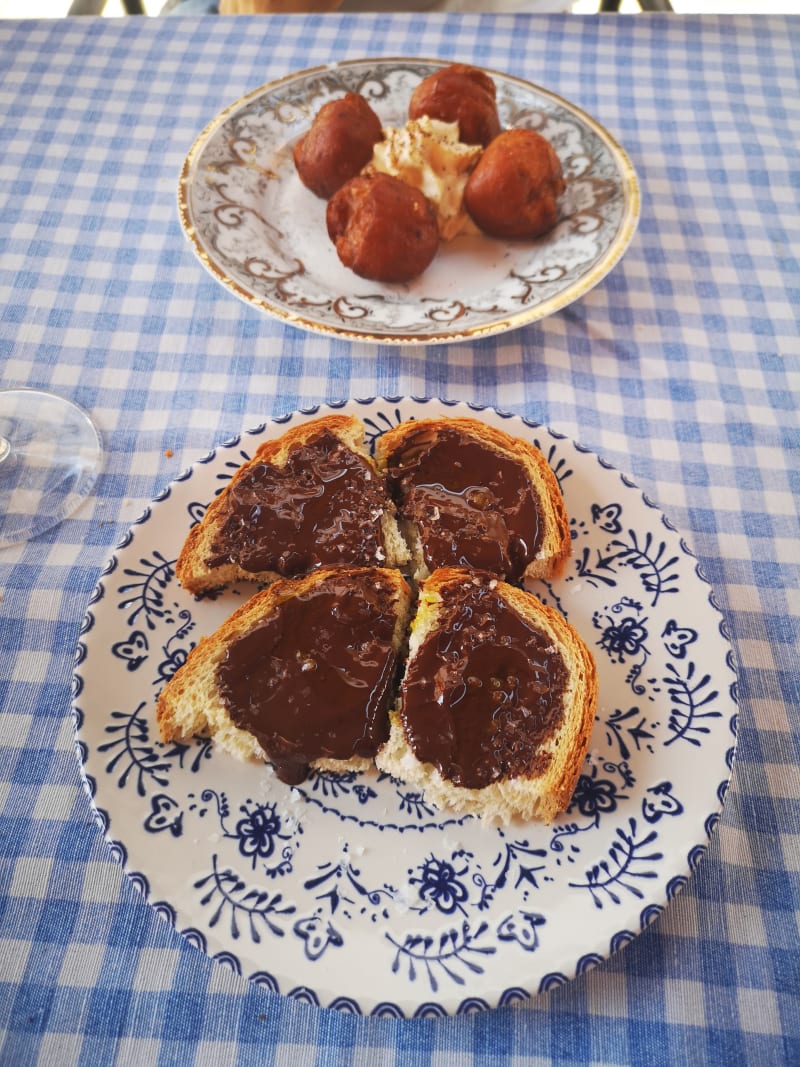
x=461, y=94
x=514, y=189
x=383, y=229
x=338, y=144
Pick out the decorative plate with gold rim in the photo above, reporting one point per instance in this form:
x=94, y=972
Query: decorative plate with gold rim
x=262, y=234
x=351, y=891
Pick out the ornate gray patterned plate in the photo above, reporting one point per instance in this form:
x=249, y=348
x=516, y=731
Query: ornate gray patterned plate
x=262, y=234
x=350, y=891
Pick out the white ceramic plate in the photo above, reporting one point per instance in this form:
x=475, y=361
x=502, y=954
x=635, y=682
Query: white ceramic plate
x=350, y=891
x=262, y=234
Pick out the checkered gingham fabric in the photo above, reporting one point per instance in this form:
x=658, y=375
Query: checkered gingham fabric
x=681, y=368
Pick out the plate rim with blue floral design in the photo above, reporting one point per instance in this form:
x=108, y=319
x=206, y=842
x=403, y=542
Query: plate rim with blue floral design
x=350, y=891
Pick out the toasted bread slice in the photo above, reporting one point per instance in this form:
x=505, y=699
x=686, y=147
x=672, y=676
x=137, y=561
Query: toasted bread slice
x=469, y=494
x=497, y=702
x=312, y=497
x=300, y=675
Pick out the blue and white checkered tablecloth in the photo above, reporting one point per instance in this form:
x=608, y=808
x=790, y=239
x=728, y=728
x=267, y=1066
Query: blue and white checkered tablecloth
x=682, y=368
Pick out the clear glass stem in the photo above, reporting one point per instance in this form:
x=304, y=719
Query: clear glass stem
x=50, y=454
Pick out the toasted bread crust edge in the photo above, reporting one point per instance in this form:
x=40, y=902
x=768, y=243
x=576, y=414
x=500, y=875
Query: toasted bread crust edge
x=542, y=797
x=556, y=545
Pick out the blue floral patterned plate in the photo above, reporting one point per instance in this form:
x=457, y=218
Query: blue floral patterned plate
x=351, y=892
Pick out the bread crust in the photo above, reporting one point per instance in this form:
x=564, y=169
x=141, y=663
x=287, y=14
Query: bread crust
x=541, y=796
x=191, y=569
x=190, y=704
x=556, y=545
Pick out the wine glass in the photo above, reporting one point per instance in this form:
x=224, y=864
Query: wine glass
x=49, y=461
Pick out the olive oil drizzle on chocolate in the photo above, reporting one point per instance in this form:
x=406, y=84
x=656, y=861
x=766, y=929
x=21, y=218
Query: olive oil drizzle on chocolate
x=313, y=680
x=321, y=508
x=473, y=506
x=485, y=691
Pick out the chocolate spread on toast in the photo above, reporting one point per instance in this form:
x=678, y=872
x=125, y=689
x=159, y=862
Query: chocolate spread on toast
x=473, y=507
x=322, y=508
x=484, y=691
x=313, y=679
